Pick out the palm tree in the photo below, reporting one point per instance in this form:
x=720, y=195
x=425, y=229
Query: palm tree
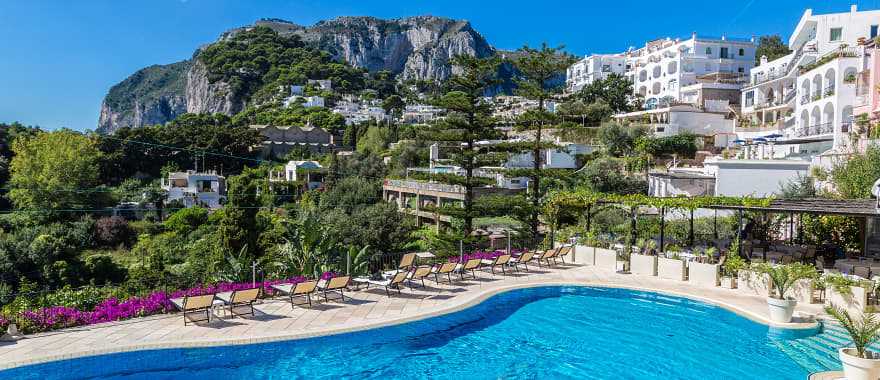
x=863, y=332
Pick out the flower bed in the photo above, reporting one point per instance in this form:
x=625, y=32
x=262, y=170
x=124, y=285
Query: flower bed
x=113, y=309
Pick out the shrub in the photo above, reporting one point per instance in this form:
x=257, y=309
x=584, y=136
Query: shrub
x=185, y=220
x=101, y=269
x=112, y=231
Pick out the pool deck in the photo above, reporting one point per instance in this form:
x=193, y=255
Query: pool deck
x=277, y=320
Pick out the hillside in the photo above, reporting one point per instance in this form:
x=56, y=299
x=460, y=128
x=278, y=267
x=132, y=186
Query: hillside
x=410, y=48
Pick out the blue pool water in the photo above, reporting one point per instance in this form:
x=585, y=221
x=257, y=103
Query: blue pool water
x=548, y=332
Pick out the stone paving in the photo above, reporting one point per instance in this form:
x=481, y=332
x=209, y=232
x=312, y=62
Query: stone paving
x=276, y=320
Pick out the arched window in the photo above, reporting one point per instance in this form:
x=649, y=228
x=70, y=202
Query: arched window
x=742, y=52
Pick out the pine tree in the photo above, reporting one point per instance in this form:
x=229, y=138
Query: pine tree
x=539, y=70
x=468, y=120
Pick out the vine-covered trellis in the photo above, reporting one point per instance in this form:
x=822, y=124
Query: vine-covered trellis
x=585, y=200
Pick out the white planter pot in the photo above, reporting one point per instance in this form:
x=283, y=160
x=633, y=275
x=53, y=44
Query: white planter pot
x=802, y=291
x=644, y=265
x=853, y=303
x=584, y=254
x=754, y=283
x=623, y=267
x=781, y=310
x=856, y=368
x=671, y=269
x=728, y=282
x=606, y=259
x=704, y=274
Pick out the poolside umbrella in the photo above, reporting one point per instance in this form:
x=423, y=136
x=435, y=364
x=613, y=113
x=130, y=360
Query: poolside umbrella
x=773, y=136
x=738, y=141
x=760, y=139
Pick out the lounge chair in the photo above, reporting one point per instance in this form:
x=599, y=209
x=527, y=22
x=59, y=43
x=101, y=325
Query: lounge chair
x=470, y=265
x=523, y=259
x=500, y=261
x=391, y=283
x=195, y=305
x=418, y=274
x=406, y=263
x=302, y=290
x=239, y=298
x=335, y=285
x=445, y=268
x=547, y=255
x=564, y=251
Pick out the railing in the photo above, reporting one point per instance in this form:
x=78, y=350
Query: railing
x=828, y=91
x=805, y=99
x=412, y=184
x=789, y=96
x=815, y=130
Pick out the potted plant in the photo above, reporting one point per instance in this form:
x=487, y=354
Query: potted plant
x=705, y=272
x=623, y=259
x=858, y=362
x=731, y=268
x=783, y=278
x=606, y=258
x=847, y=293
x=644, y=263
x=672, y=267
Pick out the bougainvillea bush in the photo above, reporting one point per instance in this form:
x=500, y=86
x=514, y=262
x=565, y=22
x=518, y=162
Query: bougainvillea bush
x=114, y=309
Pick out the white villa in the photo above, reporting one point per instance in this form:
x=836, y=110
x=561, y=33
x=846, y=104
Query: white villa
x=808, y=96
x=594, y=67
x=192, y=188
x=690, y=85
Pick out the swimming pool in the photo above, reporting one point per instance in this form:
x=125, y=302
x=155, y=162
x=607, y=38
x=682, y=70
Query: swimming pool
x=553, y=331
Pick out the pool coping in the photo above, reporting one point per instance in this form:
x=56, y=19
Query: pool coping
x=478, y=298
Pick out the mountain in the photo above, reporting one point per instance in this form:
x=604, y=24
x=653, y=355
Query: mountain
x=417, y=48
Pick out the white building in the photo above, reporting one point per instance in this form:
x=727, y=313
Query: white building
x=305, y=101
x=665, y=71
x=672, y=120
x=309, y=172
x=355, y=113
x=322, y=84
x=594, y=67
x=207, y=189
x=421, y=113
x=808, y=96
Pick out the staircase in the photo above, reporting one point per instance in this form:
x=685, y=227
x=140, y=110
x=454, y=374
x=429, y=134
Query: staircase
x=818, y=352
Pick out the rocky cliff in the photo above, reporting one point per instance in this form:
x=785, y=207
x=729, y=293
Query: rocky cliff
x=151, y=95
x=411, y=48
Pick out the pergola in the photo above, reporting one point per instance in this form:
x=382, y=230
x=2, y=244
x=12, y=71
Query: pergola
x=860, y=208
x=857, y=208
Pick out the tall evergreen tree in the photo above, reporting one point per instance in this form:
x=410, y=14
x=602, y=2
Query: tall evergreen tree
x=468, y=120
x=540, y=70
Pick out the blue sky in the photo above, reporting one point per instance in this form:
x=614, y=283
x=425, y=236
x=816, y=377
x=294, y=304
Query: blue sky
x=59, y=58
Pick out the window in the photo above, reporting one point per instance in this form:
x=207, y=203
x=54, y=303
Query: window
x=740, y=70
x=606, y=68
x=724, y=52
x=873, y=31
x=708, y=51
x=742, y=52
x=836, y=34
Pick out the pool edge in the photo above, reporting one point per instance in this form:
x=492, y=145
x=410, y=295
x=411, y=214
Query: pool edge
x=477, y=299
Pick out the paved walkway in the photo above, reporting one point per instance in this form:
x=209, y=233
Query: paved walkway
x=277, y=320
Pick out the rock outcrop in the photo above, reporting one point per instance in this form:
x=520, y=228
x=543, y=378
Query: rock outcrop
x=411, y=48
x=152, y=95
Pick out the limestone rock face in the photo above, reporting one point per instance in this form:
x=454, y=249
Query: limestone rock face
x=205, y=97
x=411, y=48
x=152, y=95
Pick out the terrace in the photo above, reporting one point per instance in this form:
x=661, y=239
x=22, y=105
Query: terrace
x=276, y=320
